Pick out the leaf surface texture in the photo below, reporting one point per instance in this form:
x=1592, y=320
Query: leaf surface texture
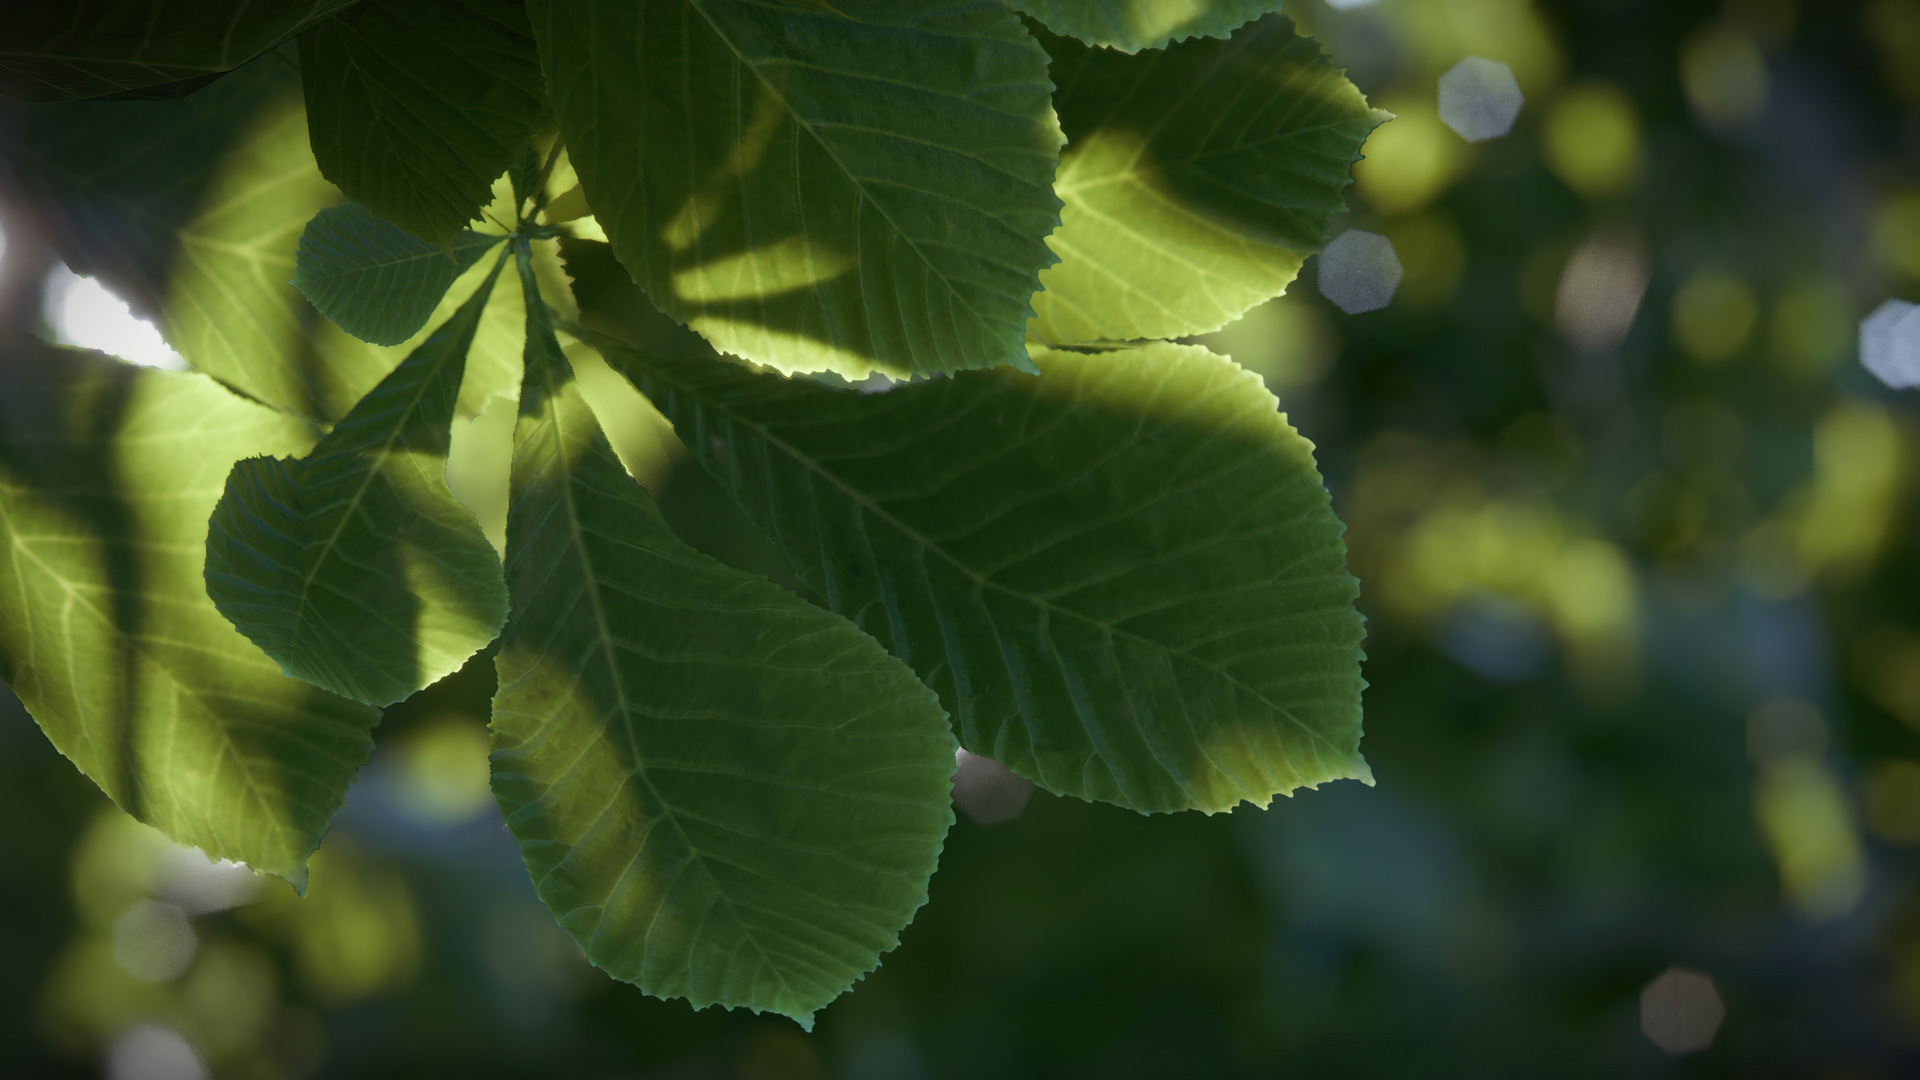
x=355, y=567
x=416, y=106
x=60, y=50
x=1196, y=179
x=374, y=280
x=107, y=475
x=723, y=792
x=1124, y=576
x=851, y=188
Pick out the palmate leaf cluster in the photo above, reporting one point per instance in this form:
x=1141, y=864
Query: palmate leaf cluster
x=1062, y=537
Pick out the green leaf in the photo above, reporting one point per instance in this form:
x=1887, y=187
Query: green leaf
x=107, y=474
x=355, y=567
x=373, y=280
x=1123, y=577
x=723, y=792
x=1132, y=25
x=417, y=106
x=852, y=190
x=209, y=254
x=1196, y=180
x=86, y=173
x=89, y=48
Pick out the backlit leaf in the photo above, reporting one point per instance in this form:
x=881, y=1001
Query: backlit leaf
x=1197, y=180
x=1123, y=576
x=373, y=280
x=107, y=474
x=417, y=106
x=355, y=567
x=857, y=189
x=723, y=792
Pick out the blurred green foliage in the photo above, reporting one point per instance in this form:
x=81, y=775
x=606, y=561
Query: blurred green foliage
x=1640, y=550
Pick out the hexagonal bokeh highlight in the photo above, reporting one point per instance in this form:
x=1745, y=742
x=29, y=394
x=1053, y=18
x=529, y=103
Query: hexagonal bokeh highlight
x=1359, y=271
x=1890, y=344
x=1479, y=99
x=1681, y=1011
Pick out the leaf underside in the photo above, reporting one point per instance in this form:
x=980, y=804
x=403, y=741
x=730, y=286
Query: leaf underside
x=416, y=106
x=59, y=51
x=107, y=474
x=1197, y=179
x=374, y=280
x=1123, y=577
x=355, y=567
x=856, y=188
x=724, y=793
x=1132, y=25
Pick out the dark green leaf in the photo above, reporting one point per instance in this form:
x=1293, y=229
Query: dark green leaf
x=417, y=106
x=724, y=793
x=1123, y=576
x=1197, y=180
x=355, y=567
x=107, y=474
x=373, y=280
x=59, y=50
x=1132, y=25
x=850, y=190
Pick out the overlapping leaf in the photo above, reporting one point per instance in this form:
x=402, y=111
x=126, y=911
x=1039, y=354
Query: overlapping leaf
x=208, y=251
x=355, y=567
x=107, y=474
x=845, y=187
x=1132, y=25
x=59, y=51
x=1123, y=577
x=724, y=793
x=417, y=106
x=373, y=280
x=1196, y=179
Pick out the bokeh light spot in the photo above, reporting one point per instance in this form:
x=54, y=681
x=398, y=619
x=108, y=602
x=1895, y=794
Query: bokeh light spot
x=1681, y=1011
x=987, y=791
x=153, y=941
x=1409, y=161
x=1725, y=77
x=152, y=1052
x=1890, y=344
x=1593, y=140
x=1359, y=272
x=1287, y=341
x=1600, y=291
x=1480, y=99
x=1714, y=315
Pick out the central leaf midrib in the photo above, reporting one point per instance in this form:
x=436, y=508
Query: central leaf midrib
x=611, y=659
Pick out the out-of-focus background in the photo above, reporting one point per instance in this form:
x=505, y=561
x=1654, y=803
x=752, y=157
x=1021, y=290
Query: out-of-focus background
x=1640, y=548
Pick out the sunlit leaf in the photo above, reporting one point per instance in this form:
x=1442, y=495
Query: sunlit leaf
x=355, y=567
x=1123, y=576
x=373, y=280
x=64, y=49
x=853, y=189
x=1132, y=25
x=107, y=474
x=210, y=254
x=1197, y=180
x=723, y=792
x=417, y=106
